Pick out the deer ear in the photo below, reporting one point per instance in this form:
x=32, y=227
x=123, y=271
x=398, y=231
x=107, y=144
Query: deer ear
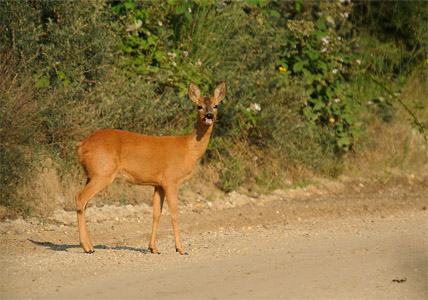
x=194, y=93
x=220, y=91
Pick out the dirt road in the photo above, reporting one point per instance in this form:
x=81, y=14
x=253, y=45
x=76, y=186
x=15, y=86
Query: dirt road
x=332, y=240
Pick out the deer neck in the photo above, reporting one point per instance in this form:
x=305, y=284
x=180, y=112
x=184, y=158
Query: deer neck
x=199, y=139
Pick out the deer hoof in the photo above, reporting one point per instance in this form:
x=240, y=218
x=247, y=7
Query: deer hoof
x=87, y=249
x=182, y=252
x=154, y=251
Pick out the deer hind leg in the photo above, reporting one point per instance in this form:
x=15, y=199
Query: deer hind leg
x=158, y=199
x=172, y=199
x=93, y=187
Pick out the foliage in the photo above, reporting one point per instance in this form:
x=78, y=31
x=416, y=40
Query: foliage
x=395, y=31
x=318, y=50
x=150, y=45
x=53, y=54
x=293, y=70
x=393, y=43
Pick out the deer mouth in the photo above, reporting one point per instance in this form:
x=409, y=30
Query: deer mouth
x=208, y=121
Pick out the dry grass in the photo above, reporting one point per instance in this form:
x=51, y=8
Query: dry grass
x=391, y=149
x=396, y=148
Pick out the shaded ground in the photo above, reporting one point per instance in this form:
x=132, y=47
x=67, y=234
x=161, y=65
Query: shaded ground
x=329, y=240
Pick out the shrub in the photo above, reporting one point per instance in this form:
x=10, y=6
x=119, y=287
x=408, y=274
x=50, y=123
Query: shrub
x=295, y=94
x=52, y=55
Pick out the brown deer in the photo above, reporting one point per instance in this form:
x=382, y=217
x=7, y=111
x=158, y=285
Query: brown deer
x=164, y=162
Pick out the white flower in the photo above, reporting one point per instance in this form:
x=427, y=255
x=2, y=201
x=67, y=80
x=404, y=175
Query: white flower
x=174, y=63
x=337, y=100
x=172, y=55
x=190, y=10
x=256, y=107
x=135, y=26
x=325, y=40
x=199, y=63
x=323, y=50
x=334, y=71
x=160, y=23
x=339, y=38
x=185, y=53
x=358, y=61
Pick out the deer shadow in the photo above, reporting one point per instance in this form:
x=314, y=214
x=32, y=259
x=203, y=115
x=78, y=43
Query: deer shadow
x=65, y=247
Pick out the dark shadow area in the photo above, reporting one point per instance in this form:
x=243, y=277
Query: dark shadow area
x=65, y=247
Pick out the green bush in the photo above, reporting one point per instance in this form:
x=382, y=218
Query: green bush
x=53, y=54
x=295, y=98
x=396, y=32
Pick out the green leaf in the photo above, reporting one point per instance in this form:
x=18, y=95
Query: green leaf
x=118, y=9
x=144, y=45
x=306, y=72
x=181, y=10
x=322, y=65
x=130, y=5
x=318, y=105
x=336, y=108
x=298, y=66
x=43, y=82
x=253, y=2
x=60, y=74
x=309, y=113
x=320, y=24
x=349, y=118
x=297, y=5
x=344, y=141
x=160, y=55
x=151, y=40
x=313, y=54
x=189, y=16
x=274, y=13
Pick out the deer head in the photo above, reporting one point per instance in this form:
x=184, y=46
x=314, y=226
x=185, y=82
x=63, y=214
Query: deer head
x=207, y=106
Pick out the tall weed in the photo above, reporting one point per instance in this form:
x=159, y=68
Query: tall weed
x=296, y=100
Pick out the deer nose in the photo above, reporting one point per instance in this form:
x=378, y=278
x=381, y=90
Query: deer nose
x=209, y=116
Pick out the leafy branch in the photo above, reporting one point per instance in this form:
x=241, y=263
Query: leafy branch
x=420, y=126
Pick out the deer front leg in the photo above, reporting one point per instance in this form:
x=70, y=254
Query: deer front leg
x=158, y=199
x=172, y=198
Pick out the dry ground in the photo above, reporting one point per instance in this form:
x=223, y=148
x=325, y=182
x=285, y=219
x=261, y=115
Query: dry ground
x=349, y=239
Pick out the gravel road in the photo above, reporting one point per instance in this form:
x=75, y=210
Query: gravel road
x=357, y=240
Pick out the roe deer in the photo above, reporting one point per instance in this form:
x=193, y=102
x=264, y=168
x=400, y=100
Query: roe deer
x=164, y=162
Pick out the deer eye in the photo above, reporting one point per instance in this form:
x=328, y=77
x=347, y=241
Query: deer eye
x=199, y=107
x=215, y=106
